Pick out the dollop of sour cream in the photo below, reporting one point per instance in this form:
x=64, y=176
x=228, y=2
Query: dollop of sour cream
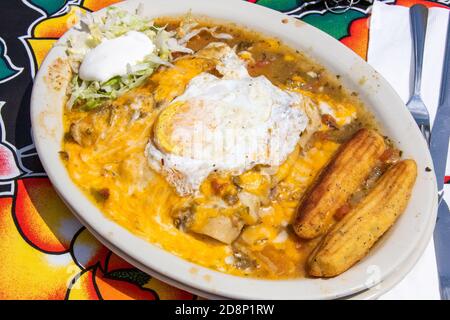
x=111, y=57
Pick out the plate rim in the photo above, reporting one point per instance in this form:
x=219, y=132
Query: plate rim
x=194, y=284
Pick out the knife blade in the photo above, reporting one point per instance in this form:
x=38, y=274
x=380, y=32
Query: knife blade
x=441, y=125
x=438, y=147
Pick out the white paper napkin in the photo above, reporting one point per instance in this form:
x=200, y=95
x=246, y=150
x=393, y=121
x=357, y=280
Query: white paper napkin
x=390, y=53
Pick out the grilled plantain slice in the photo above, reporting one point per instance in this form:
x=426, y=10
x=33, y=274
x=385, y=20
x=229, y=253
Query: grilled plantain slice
x=352, y=237
x=342, y=177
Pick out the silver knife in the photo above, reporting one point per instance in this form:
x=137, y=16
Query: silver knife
x=438, y=147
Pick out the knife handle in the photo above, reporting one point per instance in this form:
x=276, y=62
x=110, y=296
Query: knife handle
x=444, y=97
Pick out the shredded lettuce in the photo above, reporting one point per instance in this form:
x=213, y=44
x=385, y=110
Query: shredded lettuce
x=93, y=29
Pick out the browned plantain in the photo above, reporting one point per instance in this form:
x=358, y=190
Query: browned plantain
x=352, y=237
x=342, y=177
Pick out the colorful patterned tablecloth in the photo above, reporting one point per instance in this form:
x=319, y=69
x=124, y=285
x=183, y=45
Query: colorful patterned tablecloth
x=45, y=253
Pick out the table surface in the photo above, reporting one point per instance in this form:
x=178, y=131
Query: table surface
x=45, y=252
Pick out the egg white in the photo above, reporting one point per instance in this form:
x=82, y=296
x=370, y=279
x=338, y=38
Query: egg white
x=232, y=124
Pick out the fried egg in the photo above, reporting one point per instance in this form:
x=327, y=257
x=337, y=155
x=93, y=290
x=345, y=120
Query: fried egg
x=226, y=123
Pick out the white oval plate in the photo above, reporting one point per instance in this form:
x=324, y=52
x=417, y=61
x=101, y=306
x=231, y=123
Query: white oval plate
x=388, y=256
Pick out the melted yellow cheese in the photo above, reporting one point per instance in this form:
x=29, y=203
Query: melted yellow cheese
x=147, y=211
x=109, y=165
